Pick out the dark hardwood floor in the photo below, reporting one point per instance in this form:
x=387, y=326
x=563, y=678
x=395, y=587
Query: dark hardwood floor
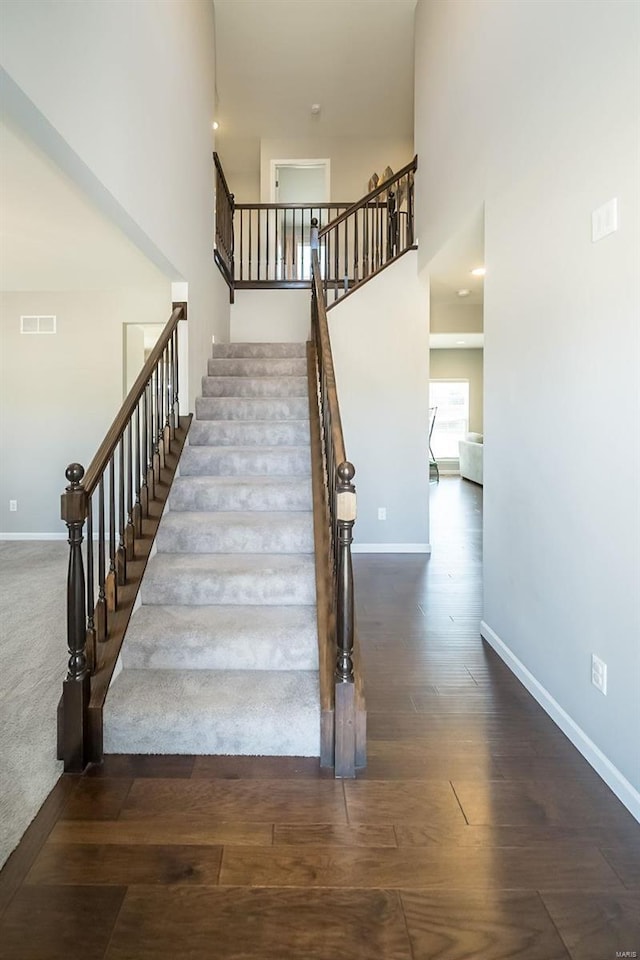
x=477, y=831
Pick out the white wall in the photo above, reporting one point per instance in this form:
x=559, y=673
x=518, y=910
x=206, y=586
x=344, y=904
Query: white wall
x=534, y=108
x=353, y=160
x=456, y=317
x=128, y=88
x=60, y=393
x=380, y=341
x=462, y=365
x=262, y=316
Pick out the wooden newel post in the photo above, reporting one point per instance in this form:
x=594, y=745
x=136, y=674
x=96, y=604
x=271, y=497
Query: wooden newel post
x=75, y=690
x=345, y=745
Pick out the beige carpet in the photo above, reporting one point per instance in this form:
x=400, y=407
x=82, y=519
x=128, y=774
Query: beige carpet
x=32, y=666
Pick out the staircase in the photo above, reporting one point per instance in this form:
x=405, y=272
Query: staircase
x=222, y=655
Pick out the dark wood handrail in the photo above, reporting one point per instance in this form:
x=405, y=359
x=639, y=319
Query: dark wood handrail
x=120, y=501
x=382, y=188
x=218, y=164
x=327, y=355
x=112, y=439
x=292, y=206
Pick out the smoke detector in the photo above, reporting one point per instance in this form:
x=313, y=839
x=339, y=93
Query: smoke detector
x=315, y=109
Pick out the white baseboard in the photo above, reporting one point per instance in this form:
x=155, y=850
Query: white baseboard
x=34, y=536
x=616, y=781
x=391, y=548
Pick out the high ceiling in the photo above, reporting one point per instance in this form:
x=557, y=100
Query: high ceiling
x=275, y=58
x=450, y=270
x=51, y=237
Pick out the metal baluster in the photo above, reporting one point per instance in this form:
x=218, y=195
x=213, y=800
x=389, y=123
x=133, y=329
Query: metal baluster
x=130, y=533
x=250, y=277
x=356, y=271
x=259, y=245
x=144, y=449
x=346, y=255
x=91, y=599
x=138, y=509
x=111, y=584
x=102, y=623
x=241, y=245
x=149, y=439
x=176, y=401
x=121, y=558
x=345, y=733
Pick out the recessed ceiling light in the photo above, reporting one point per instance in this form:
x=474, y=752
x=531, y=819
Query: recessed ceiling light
x=478, y=272
x=460, y=342
x=464, y=292
x=215, y=124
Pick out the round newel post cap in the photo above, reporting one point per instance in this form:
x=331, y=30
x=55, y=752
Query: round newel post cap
x=314, y=221
x=74, y=474
x=346, y=472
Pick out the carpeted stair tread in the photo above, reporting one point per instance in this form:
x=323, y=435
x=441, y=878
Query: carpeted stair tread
x=222, y=655
x=241, y=493
x=252, y=408
x=209, y=578
x=235, y=532
x=222, y=638
x=246, y=433
x=246, y=461
x=171, y=711
x=276, y=350
x=257, y=367
x=266, y=387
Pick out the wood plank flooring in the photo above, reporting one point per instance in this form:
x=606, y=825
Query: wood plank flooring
x=477, y=832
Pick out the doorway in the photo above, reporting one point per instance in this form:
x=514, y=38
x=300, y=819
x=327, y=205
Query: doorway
x=301, y=181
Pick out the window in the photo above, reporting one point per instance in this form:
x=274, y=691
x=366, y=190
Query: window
x=451, y=397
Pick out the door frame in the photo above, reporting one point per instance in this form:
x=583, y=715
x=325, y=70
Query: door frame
x=320, y=162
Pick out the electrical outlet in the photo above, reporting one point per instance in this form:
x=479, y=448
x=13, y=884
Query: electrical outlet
x=599, y=674
x=13, y=506
x=382, y=513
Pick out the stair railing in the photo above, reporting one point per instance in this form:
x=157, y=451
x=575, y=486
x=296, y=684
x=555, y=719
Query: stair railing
x=336, y=519
x=273, y=242
x=367, y=236
x=223, y=252
x=114, y=508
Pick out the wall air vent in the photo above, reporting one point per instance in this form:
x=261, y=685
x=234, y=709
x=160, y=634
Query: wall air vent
x=37, y=324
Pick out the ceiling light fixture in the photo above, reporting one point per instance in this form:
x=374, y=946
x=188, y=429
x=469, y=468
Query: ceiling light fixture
x=215, y=124
x=459, y=343
x=478, y=272
x=464, y=292
x=315, y=109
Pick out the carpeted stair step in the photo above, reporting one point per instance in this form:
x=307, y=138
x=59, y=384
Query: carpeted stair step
x=249, y=433
x=268, y=713
x=252, y=408
x=245, y=461
x=241, y=493
x=195, y=532
x=266, y=387
x=259, y=350
x=222, y=638
x=210, y=578
x=257, y=367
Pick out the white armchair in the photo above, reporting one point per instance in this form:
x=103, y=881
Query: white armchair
x=471, y=450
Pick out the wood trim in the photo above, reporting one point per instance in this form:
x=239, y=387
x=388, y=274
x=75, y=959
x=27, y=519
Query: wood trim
x=361, y=283
x=272, y=285
x=293, y=206
x=323, y=577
